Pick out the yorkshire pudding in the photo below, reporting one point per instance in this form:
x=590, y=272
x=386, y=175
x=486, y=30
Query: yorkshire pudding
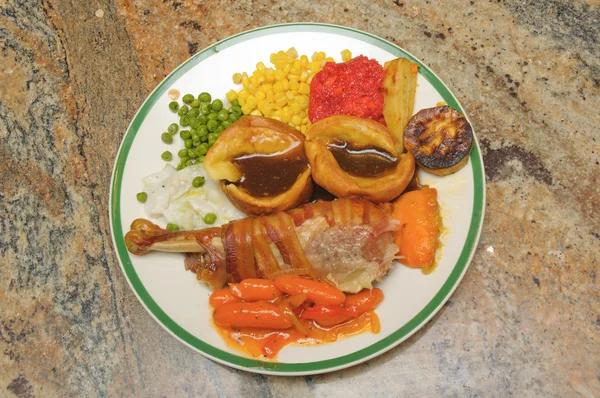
x=262, y=166
x=355, y=157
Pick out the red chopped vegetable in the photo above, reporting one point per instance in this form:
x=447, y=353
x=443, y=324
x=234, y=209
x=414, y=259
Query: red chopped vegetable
x=351, y=88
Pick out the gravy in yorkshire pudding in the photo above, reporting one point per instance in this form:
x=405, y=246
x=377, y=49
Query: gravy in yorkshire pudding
x=355, y=157
x=262, y=166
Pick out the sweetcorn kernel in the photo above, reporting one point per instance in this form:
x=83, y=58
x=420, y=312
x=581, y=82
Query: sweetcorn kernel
x=237, y=78
x=281, y=91
x=346, y=55
x=231, y=95
x=304, y=88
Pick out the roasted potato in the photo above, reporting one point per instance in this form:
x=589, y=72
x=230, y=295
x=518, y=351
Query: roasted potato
x=399, y=88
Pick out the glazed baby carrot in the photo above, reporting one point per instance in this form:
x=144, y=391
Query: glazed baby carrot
x=355, y=305
x=253, y=289
x=327, y=315
x=259, y=314
x=420, y=224
x=317, y=292
x=363, y=301
x=220, y=297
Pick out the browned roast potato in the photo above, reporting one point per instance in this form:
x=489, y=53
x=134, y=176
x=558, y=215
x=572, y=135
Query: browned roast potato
x=440, y=138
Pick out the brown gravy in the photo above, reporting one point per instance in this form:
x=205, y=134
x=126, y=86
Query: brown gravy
x=414, y=183
x=265, y=175
x=362, y=162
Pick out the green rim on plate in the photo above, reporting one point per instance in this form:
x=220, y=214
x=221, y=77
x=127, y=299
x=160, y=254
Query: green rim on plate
x=293, y=368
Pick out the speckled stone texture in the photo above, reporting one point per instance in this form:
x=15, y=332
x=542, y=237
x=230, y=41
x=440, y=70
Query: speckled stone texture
x=525, y=321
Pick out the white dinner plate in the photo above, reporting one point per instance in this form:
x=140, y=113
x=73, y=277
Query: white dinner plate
x=180, y=304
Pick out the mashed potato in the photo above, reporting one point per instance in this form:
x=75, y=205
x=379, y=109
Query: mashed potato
x=173, y=199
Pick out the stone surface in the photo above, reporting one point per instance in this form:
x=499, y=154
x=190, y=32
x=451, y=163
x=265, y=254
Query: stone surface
x=525, y=321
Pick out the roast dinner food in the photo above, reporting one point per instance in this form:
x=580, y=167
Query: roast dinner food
x=261, y=165
x=298, y=268
x=355, y=157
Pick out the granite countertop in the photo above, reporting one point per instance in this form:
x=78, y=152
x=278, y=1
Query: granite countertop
x=525, y=320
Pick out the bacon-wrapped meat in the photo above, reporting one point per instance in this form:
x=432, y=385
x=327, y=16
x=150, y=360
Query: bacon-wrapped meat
x=348, y=242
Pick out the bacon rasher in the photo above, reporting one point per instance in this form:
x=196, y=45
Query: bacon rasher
x=348, y=242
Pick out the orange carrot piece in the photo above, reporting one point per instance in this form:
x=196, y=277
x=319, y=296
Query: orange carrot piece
x=420, y=224
x=259, y=314
x=327, y=315
x=355, y=305
x=363, y=301
x=220, y=297
x=253, y=289
x=317, y=292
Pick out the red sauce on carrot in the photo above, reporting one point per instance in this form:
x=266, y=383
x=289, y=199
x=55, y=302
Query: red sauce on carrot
x=351, y=88
x=301, y=311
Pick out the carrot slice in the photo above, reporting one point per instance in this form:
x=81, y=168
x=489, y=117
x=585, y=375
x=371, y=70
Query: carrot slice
x=253, y=289
x=420, y=224
x=259, y=314
x=317, y=292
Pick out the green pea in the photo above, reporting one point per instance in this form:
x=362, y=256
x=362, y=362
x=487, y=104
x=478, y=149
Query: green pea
x=192, y=154
x=194, y=123
x=182, y=153
x=236, y=110
x=185, y=134
x=202, y=119
x=166, y=156
x=172, y=227
x=189, y=162
x=216, y=105
x=180, y=166
x=205, y=109
x=166, y=138
x=200, y=159
x=223, y=115
x=218, y=131
x=202, y=149
x=173, y=106
x=204, y=97
x=141, y=196
x=188, y=98
x=202, y=131
x=210, y=218
x=213, y=116
x=195, y=103
x=184, y=121
x=211, y=142
x=188, y=143
x=235, y=102
x=194, y=112
x=195, y=143
x=198, y=182
x=183, y=160
x=173, y=128
x=195, y=136
x=212, y=125
x=183, y=110
x=225, y=124
x=233, y=118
